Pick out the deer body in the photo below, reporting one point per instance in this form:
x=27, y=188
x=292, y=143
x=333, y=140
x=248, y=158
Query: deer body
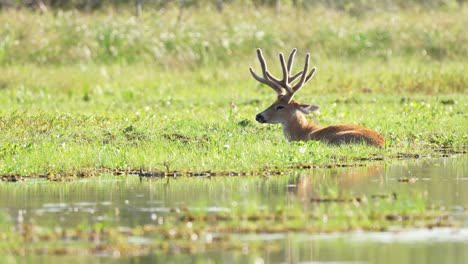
x=291, y=113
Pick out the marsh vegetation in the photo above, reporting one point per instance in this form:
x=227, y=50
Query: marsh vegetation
x=157, y=107
x=295, y=217
x=82, y=92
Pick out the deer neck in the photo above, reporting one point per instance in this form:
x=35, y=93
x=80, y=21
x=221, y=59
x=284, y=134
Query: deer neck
x=298, y=127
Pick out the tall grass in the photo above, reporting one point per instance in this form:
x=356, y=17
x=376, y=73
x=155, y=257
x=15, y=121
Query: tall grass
x=159, y=38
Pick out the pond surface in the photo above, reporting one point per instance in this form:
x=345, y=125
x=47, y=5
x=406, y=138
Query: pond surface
x=129, y=202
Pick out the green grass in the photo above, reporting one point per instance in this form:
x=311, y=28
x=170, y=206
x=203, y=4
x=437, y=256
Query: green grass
x=205, y=37
x=106, y=91
x=135, y=122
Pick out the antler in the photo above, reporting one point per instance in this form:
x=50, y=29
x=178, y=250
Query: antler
x=266, y=79
x=283, y=86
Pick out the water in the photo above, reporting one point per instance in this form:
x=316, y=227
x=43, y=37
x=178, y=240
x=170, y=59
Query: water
x=127, y=202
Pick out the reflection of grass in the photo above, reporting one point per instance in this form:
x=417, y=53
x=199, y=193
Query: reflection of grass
x=251, y=205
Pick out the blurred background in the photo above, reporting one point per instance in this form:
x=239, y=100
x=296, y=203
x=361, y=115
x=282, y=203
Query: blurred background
x=193, y=33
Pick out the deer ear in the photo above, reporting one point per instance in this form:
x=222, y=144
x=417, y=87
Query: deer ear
x=307, y=109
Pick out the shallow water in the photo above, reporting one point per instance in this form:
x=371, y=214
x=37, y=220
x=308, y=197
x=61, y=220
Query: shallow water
x=128, y=201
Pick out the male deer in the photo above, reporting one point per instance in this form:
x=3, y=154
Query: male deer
x=291, y=113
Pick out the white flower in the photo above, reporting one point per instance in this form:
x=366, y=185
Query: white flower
x=302, y=149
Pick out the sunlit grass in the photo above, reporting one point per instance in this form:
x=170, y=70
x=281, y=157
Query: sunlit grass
x=98, y=91
x=55, y=130
x=62, y=119
x=70, y=37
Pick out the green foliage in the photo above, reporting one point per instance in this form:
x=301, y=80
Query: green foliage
x=351, y=6
x=175, y=40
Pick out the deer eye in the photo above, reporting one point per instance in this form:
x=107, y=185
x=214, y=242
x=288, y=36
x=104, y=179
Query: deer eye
x=279, y=107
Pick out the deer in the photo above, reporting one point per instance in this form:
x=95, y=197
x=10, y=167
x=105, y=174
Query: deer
x=291, y=114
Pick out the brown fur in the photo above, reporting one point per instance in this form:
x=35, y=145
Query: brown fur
x=296, y=127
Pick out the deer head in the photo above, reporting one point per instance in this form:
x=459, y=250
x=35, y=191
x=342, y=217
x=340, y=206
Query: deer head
x=285, y=110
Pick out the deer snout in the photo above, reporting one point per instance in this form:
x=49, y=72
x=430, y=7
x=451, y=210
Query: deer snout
x=260, y=118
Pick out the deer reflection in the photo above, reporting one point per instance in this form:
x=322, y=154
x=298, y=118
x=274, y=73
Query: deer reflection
x=331, y=182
